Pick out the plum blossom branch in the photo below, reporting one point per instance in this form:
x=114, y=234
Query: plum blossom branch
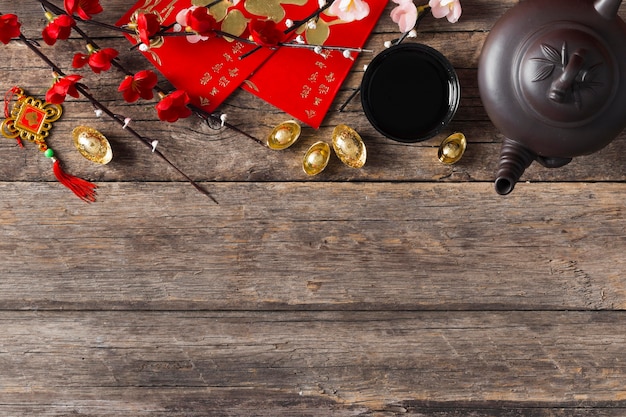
x=210, y=119
x=298, y=24
x=72, y=85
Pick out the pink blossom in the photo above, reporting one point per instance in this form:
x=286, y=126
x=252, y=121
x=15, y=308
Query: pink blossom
x=404, y=14
x=450, y=9
x=349, y=10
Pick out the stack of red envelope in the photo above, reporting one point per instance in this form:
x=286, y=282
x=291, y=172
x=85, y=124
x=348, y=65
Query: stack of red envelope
x=299, y=81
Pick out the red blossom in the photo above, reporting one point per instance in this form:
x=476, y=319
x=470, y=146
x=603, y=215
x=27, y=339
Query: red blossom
x=61, y=88
x=174, y=106
x=197, y=19
x=80, y=60
x=84, y=8
x=148, y=25
x=98, y=61
x=138, y=85
x=59, y=28
x=265, y=32
x=201, y=21
x=9, y=28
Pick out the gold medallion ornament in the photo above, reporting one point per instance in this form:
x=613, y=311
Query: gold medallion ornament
x=31, y=119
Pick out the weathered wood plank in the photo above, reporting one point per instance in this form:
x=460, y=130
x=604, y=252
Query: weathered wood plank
x=314, y=246
x=219, y=402
x=344, y=361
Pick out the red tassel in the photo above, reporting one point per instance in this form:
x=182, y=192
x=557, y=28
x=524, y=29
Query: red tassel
x=85, y=190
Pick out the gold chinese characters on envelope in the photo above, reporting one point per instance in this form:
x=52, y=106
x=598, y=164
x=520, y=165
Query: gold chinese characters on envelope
x=299, y=81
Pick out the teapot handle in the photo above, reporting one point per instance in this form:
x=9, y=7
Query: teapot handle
x=560, y=86
x=607, y=8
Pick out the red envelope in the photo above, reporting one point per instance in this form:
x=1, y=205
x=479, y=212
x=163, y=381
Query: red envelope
x=210, y=70
x=304, y=83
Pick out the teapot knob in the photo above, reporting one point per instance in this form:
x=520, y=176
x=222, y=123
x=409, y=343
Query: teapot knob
x=563, y=84
x=566, y=88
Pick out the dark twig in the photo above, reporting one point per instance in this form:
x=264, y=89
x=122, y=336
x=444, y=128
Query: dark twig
x=207, y=117
x=57, y=10
x=295, y=26
x=97, y=104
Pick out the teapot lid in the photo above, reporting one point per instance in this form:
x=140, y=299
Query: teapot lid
x=566, y=74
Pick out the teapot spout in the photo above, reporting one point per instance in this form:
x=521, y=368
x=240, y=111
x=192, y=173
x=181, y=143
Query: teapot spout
x=607, y=8
x=514, y=159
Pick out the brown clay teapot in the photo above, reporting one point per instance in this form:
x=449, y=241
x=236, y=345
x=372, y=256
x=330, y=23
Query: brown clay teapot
x=552, y=78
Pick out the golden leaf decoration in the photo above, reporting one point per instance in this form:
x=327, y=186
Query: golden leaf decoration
x=234, y=23
x=320, y=34
x=218, y=11
x=272, y=9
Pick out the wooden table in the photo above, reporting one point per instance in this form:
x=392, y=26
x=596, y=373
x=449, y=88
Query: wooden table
x=406, y=288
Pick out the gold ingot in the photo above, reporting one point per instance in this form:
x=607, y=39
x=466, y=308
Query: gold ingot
x=92, y=144
x=349, y=146
x=284, y=135
x=316, y=158
x=452, y=148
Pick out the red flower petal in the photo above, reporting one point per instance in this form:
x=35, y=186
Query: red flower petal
x=101, y=60
x=60, y=89
x=84, y=8
x=265, y=32
x=148, y=25
x=139, y=85
x=9, y=28
x=145, y=81
x=59, y=28
x=201, y=21
x=126, y=87
x=174, y=106
x=80, y=60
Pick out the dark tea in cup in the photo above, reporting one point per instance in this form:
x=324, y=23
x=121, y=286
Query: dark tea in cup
x=410, y=92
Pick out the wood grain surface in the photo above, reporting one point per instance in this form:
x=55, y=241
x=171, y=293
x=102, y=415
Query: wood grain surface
x=406, y=288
